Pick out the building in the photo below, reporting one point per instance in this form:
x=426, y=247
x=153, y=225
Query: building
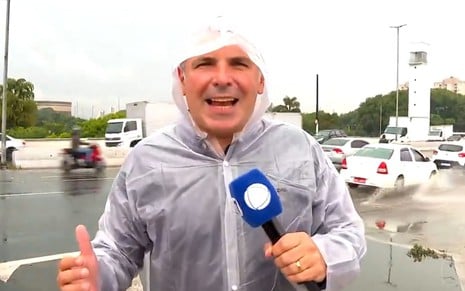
x=452, y=84
x=57, y=106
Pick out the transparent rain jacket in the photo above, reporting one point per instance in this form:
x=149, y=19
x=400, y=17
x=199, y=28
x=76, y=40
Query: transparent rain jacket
x=171, y=201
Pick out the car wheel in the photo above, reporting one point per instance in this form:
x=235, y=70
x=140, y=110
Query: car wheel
x=9, y=154
x=399, y=185
x=432, y=175
x=66, y=166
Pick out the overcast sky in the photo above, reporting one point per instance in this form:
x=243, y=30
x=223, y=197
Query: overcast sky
x=102, y=53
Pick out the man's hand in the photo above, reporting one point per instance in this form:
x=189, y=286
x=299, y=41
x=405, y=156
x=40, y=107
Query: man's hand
x=298, y=258
x=79, y=273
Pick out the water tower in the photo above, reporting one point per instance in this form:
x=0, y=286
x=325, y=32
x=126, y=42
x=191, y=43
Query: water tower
x=419, y=94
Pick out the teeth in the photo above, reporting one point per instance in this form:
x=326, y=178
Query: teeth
x=222, y=99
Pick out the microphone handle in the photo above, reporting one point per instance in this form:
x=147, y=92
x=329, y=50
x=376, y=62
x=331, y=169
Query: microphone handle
x=274, y=233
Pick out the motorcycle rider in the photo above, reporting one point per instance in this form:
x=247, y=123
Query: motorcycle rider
x=76, y=143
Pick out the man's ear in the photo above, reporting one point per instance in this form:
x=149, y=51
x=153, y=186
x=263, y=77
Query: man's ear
x=261, y=84
x=180, y=73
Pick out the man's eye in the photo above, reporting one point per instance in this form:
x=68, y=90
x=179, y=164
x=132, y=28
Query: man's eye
x=202, y=64
x=241, y=64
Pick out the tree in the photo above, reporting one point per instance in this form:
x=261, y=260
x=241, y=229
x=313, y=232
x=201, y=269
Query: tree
x=290, y=105
x=21, y=108
x=96, y=127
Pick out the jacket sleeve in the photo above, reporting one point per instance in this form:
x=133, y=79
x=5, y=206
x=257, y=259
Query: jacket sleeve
x=121, y=239
x=340, y=232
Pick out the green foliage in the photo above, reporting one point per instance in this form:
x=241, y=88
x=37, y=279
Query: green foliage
x=450, y=107
x=325, y=121
x=28, y=132
x=290, y=105
x=21, y=107
x=418, y=253
x=56, y=123
x=96, y=127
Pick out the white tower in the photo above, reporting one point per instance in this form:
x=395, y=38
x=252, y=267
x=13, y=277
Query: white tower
x=419, y=94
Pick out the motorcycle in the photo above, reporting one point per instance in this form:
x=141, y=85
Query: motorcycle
x=76, y=160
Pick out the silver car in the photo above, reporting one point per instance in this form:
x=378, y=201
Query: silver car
x=340, y=147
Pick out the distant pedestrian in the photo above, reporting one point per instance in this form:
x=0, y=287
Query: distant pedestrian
x=383, y=139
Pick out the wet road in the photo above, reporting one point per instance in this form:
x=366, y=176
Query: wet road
x=40, y=208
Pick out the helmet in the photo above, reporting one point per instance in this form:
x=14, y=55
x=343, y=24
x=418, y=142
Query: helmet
x=76, y=130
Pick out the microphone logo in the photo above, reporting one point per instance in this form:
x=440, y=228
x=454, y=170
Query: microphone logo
x=257, y=196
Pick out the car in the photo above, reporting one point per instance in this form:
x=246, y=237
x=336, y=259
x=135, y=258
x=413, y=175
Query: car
x=324, y=135
x=339, y=148
x=387, y=166
x=450, y=155
x=12, y=144
x=435, y=135
x=454, y=137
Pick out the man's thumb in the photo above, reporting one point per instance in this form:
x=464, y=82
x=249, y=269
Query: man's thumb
x=83, y=240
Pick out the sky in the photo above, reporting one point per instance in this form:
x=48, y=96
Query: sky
x=101, y=54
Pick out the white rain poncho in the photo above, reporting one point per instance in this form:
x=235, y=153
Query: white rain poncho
x=170, y=201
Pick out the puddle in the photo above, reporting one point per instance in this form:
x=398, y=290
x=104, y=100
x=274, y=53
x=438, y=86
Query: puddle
x=387, y=267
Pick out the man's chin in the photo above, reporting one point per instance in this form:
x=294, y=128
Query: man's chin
x=223, y=131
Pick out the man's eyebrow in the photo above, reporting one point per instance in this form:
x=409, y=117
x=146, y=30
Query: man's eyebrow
x=241, y=59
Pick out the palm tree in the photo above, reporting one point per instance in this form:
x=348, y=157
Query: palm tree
x=290, y=105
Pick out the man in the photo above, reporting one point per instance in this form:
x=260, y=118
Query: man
x=383, y=139
x=171, y=201
x=76, y=143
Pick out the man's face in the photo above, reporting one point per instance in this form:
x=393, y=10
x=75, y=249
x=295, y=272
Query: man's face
x=221, y=88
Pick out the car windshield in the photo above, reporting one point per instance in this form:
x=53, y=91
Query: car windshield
x=336, y=142
x=394, y=130
x=435, y=133
x=322, y=133
x=372, y=152
x=450, y=147
x=114, y=127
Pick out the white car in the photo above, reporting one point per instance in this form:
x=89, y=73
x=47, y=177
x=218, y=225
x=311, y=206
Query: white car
x=387, y=166
x=339, y=148
x=450, y=155
x=12, y=144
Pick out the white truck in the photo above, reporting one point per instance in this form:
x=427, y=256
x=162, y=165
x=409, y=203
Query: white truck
x=401, y=130
x=440, y=132
x=407, y=131
x=142, y=118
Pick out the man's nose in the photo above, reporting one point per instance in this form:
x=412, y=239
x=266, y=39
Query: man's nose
x=223, y=76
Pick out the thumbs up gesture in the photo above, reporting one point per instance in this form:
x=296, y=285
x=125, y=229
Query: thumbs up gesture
x=81, y=272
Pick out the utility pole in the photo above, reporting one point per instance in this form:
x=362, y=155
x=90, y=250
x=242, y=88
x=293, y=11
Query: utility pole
x=380, y=117
x=316, y=110
x=5, y=86
x=397, y=77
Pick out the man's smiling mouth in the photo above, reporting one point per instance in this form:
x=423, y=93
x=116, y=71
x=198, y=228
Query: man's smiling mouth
x=229, y=101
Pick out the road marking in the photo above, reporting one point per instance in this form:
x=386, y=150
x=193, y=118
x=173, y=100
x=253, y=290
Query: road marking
x=7, y=269
x=31, y=194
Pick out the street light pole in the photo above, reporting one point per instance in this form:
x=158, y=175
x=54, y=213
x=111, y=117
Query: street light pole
x=397, y=77
x=5, y=85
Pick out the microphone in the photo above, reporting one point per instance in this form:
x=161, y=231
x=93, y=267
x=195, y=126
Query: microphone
x=258, y=203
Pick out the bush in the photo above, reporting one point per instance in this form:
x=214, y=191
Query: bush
x=29, y=132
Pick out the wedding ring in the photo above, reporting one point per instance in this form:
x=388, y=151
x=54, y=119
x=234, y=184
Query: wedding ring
x=298, y=265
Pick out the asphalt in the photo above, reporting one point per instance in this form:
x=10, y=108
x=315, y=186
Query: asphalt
x=40, y=208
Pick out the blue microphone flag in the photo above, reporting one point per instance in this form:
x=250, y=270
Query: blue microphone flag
x=256, y=197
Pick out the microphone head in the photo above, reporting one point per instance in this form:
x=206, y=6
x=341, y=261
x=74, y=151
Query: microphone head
x=256, y=198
